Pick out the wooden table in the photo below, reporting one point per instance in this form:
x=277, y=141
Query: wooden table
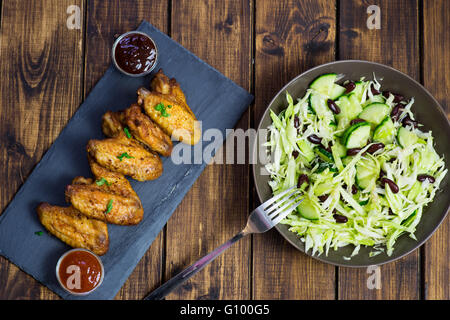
x=47, y=70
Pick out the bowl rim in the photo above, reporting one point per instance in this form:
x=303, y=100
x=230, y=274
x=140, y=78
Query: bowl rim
x=256, y=145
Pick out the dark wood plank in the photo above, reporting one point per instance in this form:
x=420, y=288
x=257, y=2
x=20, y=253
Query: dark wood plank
x=395, y=44
x=217, y=205
x=291, y=37
x=104, y=20
x=41, y=68
x=436, y=55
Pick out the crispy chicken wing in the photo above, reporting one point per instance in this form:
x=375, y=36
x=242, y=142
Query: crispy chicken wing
x=102, y=203
x=166, y=105
x=125, y=156
x=141, y=127
x=109, y=198
x=73, y=228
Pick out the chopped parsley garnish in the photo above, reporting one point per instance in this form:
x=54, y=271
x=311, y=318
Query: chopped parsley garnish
x=109, y=206
x=39, y=233
x=161, y=108
x=126, y=155
x=127, y=132
x=102, y=181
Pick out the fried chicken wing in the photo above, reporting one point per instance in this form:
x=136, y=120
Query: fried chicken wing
x=166, y=105
x=110, y=189
x=124, y=156
x=102, y=203
x=140, y=126
x=73, y=228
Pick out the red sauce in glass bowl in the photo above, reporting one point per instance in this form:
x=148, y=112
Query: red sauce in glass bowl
x=135, y=53
x=79, y=271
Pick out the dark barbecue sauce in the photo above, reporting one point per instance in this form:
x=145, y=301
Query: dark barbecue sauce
x=135, y=53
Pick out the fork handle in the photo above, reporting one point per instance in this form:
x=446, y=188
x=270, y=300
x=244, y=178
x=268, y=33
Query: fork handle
x=187, y=273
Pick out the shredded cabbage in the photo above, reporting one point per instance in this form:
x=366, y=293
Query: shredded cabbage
x=376, y=216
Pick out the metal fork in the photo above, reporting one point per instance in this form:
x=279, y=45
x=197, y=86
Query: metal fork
x=262, y=219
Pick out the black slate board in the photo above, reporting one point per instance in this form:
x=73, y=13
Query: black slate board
x=217, y=102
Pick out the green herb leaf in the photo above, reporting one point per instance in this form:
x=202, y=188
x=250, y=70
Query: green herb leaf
x=127, y=132
x=109, y=206
x=39, y=233
x=102, y=181
x=161, y=108
x=126, y=155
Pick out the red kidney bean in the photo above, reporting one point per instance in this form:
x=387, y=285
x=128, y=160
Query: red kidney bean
x=407, y=121
x=392, y=185
x=375, y=147
x=423, y=177
x=295, y=154
x=354, y=189
x=333, y=106
x=353, y=151
x=398, y=97
x=323, y=197
x=357, y=120
x=374, y=91
x=382, y=174
x=391, y=160
x=339, y=218
x=396, y=111
x=302, y=179
x=349, y=87
x=314, y=139
x=391, y=213
x=296, y=122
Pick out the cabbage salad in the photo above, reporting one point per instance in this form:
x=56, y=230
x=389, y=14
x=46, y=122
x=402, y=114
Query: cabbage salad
x=366, y=168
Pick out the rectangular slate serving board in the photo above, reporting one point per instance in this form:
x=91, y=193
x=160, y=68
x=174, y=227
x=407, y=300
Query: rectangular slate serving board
x=216, y=101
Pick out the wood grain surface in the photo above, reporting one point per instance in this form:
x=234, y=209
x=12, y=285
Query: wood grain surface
x=399, y=49
x=436, y=68
x=294, y=37
x=41, y=63
x=46, y=70
x=216, y=207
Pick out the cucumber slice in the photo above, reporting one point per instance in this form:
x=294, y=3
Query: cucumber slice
x=307, y=210
x=319, y=105
x=378, y=98
x=357, y=135
x=385, y=131
x=406, y=138
x=324, y=83
x=337, y=91
x=350, y=108
x=341, y=150
x=375, y=113
x=306, y=150
x=323, y=154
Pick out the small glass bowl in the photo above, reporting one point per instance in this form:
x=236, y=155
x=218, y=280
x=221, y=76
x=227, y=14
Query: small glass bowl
x=113, y=54
x=80, y=293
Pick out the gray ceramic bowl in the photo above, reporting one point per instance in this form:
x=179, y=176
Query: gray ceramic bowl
x=427, y=111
